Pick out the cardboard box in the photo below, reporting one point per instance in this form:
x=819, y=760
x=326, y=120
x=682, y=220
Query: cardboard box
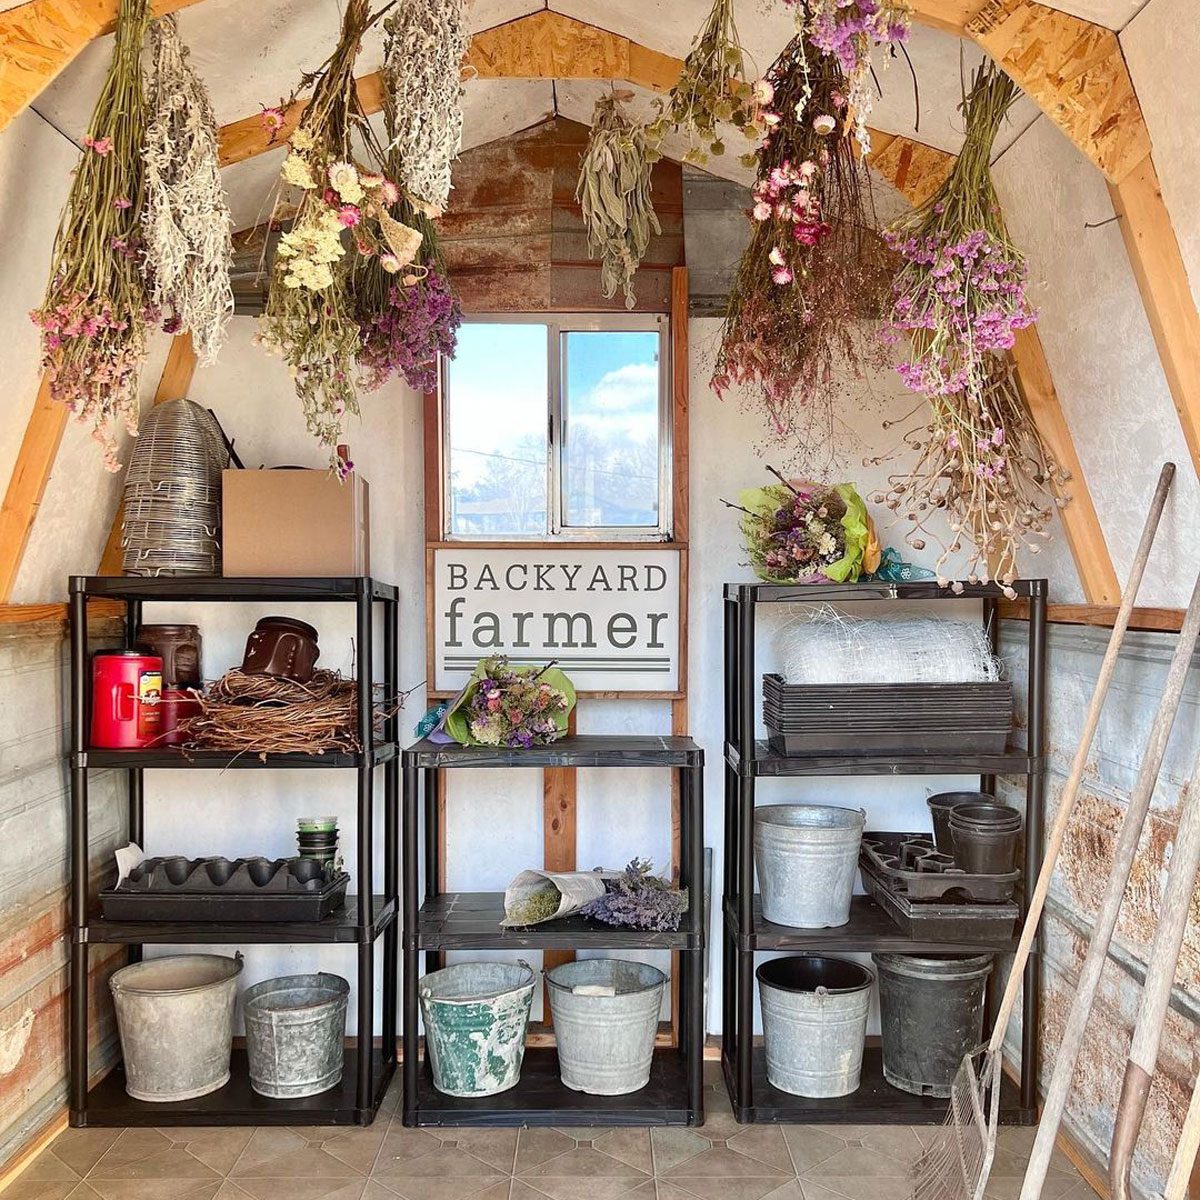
x=294, y=522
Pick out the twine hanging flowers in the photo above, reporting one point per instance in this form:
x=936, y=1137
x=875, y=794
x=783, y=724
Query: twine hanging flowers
x=960, y=299
x=614, y=194
x=96, y=308
x=185, y=218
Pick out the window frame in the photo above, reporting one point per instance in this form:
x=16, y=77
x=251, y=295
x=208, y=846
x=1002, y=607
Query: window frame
x=558, y=325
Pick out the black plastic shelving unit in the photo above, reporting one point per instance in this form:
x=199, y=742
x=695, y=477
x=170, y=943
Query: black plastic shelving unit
x=870, y=928
x=356, y=1099
x=437, y=922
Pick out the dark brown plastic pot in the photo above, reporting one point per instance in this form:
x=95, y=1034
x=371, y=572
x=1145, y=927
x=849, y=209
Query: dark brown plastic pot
x=940, y=805
x=282, y=646
x=985, y=816
x=179, y=648
x=984, y=851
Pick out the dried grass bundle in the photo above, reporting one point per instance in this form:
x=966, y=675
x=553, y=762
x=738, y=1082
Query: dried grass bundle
x=185, y=219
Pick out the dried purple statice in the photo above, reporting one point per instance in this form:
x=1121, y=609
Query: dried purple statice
x=636, y=899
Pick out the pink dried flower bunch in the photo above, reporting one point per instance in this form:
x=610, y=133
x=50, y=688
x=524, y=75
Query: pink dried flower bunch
x=964, y=294
x=418, y=323
x=789, y=194
x=96, y=308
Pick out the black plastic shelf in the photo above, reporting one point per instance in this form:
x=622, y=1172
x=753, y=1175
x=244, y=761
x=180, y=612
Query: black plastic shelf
x=875, y=1102
x=170, y=758
x=583, y=750
x=268, y=589
x=237, y=1103
x=869, y=929
x=471, y=921
x=338, y=928
x=768, y=763
x=930, y=589
x=540, y=1098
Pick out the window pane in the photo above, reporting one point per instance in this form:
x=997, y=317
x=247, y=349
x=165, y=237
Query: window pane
x=611, y=429
x=496, y=399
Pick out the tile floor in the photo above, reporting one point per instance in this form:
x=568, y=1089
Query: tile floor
x=721, y=1161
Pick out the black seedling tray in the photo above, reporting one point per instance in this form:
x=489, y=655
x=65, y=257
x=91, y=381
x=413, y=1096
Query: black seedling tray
x=941, y=741
x=937, y=921
x=222, y=889
x=894, y=858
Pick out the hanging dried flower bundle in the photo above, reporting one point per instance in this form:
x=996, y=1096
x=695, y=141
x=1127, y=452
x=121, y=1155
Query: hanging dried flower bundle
x=96, y=310
x=309, y=318
x=711, y=91
x=815, y=271
x=614, y=194
x=960, y=299
x=425, y=42
x=185, y=218
x=849, y=31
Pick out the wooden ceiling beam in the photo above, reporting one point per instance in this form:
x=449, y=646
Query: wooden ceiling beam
x=39, y=38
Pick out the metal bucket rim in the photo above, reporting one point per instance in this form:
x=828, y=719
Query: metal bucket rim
x=867, y=973
x=768, y=814
x=118, y=985
x=425, y=993
x=566, y=987
x=255, y=996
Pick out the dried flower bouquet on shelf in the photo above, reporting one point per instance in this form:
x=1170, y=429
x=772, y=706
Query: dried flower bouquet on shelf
x=639, y=899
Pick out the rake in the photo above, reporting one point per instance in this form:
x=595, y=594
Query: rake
x=957, y=1163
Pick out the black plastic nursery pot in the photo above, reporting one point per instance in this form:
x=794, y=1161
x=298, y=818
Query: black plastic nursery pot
x=940, y=805
x=808, y=972
x=931, y=1012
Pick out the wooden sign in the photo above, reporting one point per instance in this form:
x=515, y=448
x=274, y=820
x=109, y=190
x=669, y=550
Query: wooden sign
x=610, y=618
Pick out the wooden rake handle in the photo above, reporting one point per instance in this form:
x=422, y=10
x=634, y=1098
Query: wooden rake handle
x=1066, y=804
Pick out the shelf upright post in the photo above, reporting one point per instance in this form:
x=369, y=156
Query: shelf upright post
x=366, y=819
x=409, y=884
x=729, y=849
x=692, y=796
x=79, y=852
x=391, y=821
x=1035, y=800
x=991, y=627
x=747, y=611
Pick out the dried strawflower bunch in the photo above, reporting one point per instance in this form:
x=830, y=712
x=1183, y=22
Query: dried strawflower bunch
x=309, y=318
x=96, y=310
x=185, y=218
x=425, y=42
x=800, y=531
x=982, y=468
x=815, y=270
x=849, y=31
x=639, y=899
x=960, y=293
x=960, y=298
x=711, y=91
x=614, y=194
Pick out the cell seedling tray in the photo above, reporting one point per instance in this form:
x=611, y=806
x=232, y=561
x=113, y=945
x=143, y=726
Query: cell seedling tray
x=911, y=866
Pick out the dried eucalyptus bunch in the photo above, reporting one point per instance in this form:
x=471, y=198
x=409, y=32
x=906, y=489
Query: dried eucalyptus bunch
x=712, y=91
x=614, y=193
x=425, y=42
x=185, y=219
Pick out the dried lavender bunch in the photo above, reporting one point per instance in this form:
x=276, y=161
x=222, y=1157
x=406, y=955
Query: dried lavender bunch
x=637, y=899
x=185, y=219
x=816, y=269
x=614, y=194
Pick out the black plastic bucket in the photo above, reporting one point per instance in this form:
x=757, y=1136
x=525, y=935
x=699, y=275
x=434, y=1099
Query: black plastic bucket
x=983, y=849
x=940, y=805
x=931, y=1011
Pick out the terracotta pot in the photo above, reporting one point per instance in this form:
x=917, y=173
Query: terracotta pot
x=282, y=646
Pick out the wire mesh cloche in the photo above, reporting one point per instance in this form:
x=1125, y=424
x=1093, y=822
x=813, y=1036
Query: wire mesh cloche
x=172, y=515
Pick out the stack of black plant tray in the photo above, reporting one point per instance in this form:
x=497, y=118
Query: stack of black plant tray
x=929, y=896
x=947, y=718
x=223, y=889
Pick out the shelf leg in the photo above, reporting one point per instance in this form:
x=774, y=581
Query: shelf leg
x=77, y=617
x=391, y=937
x=432, y=832
x=745, y=1030
x=409, y=884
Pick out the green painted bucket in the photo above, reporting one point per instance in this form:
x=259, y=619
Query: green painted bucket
x=475, y=1016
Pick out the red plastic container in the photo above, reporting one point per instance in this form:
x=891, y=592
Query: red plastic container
x=126, y=695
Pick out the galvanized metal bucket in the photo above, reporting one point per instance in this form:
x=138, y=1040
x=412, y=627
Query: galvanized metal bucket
x=175, y=1019
x=814, y=1011
x=475, y=1016
x=295, y=1034
x=605, y=1013
x=806, y=856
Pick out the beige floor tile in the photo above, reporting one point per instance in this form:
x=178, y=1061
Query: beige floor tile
x=712, y=1072
x=1057, y=1187
x=857, y=1188
x=897, y=1142
x=719, y=1125
x=463, y=1187
x=401, y=1145
x=584, y=1162
x=764, y=1144
x=538, y=1146
x=584, y=1133
x=154, y=1188
x=712, y=1187
x=498, y=1191
x=857, y=1162
x=303, y=1189
x=82, y=1149
x=675, y=1146
x=216, y=1147
x=577, y=1187
x=496, y=1147
x=446, y=1161
x=815, y=1191
x=48, y=1166
x=133, y=1145
x=722, y=1163
x=810, y=1145
x=356, y=1147
x=671, y=1191
x=172, y=1163
x=26, y=1188
x=230, y=1191
x=790, y=1191
x=630, y=1146
x=522, y=1191
x=279, y=1154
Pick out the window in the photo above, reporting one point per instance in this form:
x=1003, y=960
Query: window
x=559, y=427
